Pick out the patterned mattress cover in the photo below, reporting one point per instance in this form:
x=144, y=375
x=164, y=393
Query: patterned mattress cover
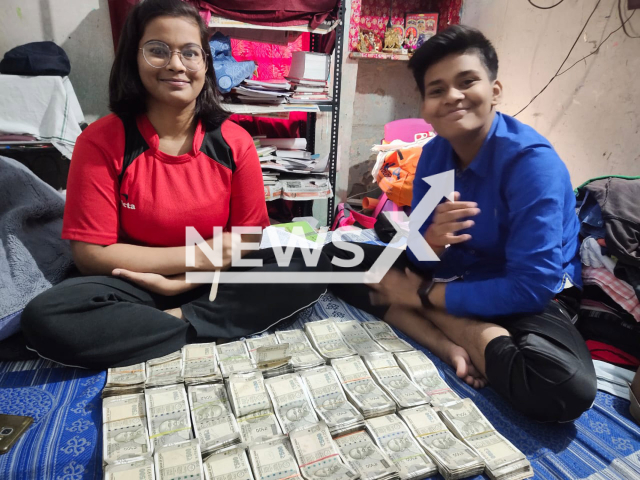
x=64, y=443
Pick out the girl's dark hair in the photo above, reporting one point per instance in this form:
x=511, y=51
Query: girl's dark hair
x=127, y=95
x=454, y=39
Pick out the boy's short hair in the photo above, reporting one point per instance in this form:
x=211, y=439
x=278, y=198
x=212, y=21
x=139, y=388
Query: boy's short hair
x=455, y=39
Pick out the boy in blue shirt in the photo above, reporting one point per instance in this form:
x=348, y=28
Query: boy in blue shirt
x=499, y=304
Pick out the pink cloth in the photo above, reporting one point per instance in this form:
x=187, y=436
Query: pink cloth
x=619, y=291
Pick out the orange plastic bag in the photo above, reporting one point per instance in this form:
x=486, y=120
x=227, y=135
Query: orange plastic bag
x=396, y=175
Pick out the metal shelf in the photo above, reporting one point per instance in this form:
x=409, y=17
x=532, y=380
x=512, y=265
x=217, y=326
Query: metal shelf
x=220, y=23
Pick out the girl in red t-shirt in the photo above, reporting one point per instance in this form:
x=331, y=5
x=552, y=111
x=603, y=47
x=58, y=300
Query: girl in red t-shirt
x=166, y=159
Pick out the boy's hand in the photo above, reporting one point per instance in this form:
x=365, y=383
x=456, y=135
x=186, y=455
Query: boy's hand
x=449, y=219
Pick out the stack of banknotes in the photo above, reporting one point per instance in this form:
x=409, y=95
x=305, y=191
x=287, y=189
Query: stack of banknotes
x=229, y=464
x=357, y=337
x=326, y=338
x=317, y=454
x=424, y=373
x=291, y=402
x=394, y=438
x=125, y=380
x=213, y=420
x=361, y=389
x=384, y=335
x=330, y=401
x=394, y=381
x=344, y=400
x=303, y=356
x=234, y=358
x=168, y=415
x=180, y=461
x=273, y=459
x=138, y=469
x=165, y=370
x=124, y=428
x=363, y=456
x=502, y=459
x=453, y=457
x=200, y=364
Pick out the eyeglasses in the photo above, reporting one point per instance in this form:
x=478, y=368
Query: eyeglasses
x=158, y=55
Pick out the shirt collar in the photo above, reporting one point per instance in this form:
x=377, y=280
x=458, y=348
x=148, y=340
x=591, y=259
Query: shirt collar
x=480, y=164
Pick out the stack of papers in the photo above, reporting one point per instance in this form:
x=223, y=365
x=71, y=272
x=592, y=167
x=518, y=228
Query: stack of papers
x=262, y=93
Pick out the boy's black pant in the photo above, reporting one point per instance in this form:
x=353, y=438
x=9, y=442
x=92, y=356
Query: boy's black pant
x=543, y=369
x=101, y=321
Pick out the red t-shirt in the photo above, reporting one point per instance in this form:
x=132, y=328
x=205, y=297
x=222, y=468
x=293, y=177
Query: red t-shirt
x=122, y=189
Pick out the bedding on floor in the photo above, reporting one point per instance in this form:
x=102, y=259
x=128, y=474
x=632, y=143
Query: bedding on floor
x=65, y=443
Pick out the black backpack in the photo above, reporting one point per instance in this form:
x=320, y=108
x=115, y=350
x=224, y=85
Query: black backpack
x=37, y=58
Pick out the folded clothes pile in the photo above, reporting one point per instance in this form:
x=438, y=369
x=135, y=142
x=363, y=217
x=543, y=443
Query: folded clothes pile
x=609, y=318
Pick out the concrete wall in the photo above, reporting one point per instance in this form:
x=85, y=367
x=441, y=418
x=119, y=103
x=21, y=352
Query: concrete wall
x=81, y=27
x=591, y=114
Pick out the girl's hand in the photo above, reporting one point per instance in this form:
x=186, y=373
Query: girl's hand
x=450, y=218
x=229, y=242
x=153, y=282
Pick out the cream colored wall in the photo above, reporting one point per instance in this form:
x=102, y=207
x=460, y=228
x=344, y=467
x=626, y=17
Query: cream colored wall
x=591, y=114
x=81, y=27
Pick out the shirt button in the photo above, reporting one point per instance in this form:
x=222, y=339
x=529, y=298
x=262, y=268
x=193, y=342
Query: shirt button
x=467, y=272
x=472, y=252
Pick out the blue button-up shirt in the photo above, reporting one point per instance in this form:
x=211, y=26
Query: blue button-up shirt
x=524, y=245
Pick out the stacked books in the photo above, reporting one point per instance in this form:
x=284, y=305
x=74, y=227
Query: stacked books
x=262, y=93
x=309, y=75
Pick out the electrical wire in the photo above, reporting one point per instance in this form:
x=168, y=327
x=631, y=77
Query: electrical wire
x=546, y=8
x=563, y=62
x=624, y=26
x=598, y=47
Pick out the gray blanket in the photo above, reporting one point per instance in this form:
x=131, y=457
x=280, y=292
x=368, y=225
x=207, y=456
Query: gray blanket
x=33, y=257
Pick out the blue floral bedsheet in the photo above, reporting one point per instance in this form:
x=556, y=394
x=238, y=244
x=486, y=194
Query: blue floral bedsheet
x=64, y=441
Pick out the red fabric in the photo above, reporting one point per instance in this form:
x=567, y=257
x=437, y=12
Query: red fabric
x=610, y=354
x=160, y=194
x=118, y=11
x=274, y=61
x=274, y=12
x=601, y=242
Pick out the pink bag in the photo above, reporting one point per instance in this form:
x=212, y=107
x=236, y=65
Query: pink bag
x=345, y=217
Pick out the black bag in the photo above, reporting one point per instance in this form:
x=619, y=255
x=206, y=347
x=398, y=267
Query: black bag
x=37, y=58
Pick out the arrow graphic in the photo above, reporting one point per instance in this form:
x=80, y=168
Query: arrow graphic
x=442, y=185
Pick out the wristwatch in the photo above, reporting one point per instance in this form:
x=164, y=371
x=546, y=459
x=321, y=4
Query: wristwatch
x=424, y=291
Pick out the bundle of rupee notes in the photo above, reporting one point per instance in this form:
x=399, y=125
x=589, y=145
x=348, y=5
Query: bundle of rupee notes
x=337, y=400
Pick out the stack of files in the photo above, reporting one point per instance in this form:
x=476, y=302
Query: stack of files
x=394, y=438
x=125, y=380
x=303, y=356
x=363, y=456
x=453, y=457
x=330, y=402
x=213, y=421
x=503, y=460
x=262, y=93
x=361, y=389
